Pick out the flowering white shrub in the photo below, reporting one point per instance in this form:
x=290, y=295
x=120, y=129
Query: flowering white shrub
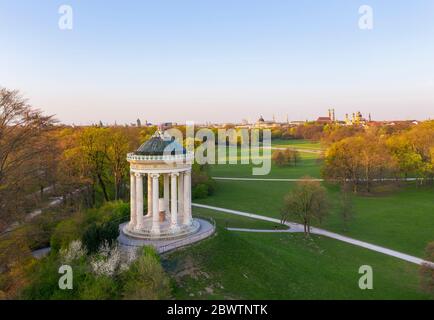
x=107, y=261
x=75, y=251
x=128, y=258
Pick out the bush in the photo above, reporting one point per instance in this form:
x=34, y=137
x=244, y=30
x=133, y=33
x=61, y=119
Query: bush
x=95, y=235
x=146, y=278
x=94, y=226
x=65, y=232
x=106, y=274
x=200, y=191
x=202, y=184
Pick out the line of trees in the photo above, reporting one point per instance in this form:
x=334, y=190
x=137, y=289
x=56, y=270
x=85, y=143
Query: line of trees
x=25, y=154
x=371, y=156
x=87, y=166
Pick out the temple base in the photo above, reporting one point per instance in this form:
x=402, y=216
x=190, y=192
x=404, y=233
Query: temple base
x=168, y=239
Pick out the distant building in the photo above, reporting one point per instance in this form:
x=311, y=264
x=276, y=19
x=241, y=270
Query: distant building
x=326, y=120
x=261, y=123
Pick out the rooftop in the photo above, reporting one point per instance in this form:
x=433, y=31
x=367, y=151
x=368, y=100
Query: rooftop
x=160, y=144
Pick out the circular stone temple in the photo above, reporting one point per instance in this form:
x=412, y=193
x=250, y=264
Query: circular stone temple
x=165, y=166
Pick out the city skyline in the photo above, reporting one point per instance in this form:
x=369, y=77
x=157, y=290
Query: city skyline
x=220, y=61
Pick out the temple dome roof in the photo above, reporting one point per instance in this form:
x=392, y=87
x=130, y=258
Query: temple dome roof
x=160, y=144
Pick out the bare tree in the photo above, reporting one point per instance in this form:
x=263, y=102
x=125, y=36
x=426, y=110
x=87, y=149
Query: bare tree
x=21, y=127
x=306, y=203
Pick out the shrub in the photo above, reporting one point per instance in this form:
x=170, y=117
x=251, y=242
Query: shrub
x=146, y=278
x=65, y=232
x=94, y=226
x=99, y=288
x=202, y=184
x=95, y=235
x=200, y=191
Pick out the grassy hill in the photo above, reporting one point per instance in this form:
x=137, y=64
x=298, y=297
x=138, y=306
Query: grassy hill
x=236, y=265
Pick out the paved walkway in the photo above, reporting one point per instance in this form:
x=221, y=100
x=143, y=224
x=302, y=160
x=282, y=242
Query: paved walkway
x=315, y=151
x=40, y=253
x=301, y=179
x=263, y=231
x=296, y=227
x=264, y=179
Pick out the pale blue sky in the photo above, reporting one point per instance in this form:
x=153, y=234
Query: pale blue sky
x=219, y=60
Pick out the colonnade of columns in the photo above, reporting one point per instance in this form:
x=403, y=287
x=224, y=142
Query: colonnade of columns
x=176, y=200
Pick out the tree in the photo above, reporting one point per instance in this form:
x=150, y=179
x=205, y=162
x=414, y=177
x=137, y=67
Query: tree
x=21, y=127
x=285, y=157
x=427, y=270
x=118, y=147
x=88, y=156
x=307, y=202
x=421, y=138
x=279, y=159
x=407, y=159
x=359, y=159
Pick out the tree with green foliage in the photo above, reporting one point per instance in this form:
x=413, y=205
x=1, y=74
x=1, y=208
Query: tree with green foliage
x=358, y=160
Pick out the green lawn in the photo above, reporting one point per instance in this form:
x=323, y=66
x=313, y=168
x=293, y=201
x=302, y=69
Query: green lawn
x=287, y=266
x=402, y=220
x=233, y=221
x=309, y=165
x=237, y=265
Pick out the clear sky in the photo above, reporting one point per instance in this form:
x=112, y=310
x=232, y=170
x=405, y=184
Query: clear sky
x=219, y=60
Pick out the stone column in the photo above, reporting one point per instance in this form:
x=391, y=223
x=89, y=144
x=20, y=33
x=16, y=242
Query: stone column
x=174, y=205
x=133, y=214
x=187, y=197
x=166, y=193
x=139, y=201
x=181, y=194
x=155, y=209
x=149, y=214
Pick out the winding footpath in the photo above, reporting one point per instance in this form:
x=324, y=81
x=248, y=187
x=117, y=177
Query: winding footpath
x=296, y=227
